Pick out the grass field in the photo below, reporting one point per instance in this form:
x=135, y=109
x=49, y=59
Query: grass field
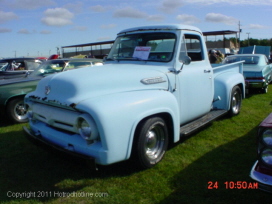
x=221, y=152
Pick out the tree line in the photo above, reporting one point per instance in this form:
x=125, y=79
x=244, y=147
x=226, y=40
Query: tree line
x=253, y=41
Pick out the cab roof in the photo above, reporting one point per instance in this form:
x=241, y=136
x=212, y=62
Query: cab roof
x=161, y=27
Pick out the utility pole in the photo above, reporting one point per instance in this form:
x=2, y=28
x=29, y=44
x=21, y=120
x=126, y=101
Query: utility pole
x=247, y=39
x=240, y=30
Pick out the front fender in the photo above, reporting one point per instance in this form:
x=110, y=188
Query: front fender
x=118, y=115
x=11, y=90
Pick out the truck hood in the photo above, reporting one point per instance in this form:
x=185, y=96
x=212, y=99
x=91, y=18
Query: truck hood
x=72, y=87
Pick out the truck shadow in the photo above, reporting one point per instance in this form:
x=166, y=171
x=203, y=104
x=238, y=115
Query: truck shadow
x=29, y=168
x=227, y=164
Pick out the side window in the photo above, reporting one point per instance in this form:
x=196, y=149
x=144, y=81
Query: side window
x=21, y=66
x=17, y=66
x=192, y=46
x=266, y=60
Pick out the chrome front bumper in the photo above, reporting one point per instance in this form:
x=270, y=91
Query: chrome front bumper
x=264, y=180
x=38, y=140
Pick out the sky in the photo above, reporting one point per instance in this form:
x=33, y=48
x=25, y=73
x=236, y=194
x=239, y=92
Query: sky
x=38, y=27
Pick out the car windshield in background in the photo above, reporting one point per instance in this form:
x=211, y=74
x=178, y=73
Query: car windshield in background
x=3, y=66
x=54, y=66
x=76, y=65
x=247, y=59
x=32, y=65
x=157, y=47
x=49, y=67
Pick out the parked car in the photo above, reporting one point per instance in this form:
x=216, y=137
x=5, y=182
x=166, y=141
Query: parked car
x=257, y=70
x=262, y=169
x=12, y=91
x=17, y=67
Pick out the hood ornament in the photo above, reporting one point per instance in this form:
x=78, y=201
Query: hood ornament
x=47, y=90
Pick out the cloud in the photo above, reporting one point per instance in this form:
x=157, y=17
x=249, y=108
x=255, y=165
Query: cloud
x=169, y=6
x=109, y=26
x=157, y=18
x=129, y=12
x=23, y=31
x=231, y=2
x=76, y=7
x=29, y=4
x=220, y=18
x=45, y=32
x=57, y=17
x=188, y=19
x=98, y=8
x=7, y=16
x=256, y=26
x=80, y=28
x=5, y=30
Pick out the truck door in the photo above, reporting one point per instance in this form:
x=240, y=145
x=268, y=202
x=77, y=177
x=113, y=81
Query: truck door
x=195, y=80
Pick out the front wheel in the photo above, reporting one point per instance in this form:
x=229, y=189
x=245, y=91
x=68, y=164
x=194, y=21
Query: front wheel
x=235, y=101
x=16, y=110
x=151, y=142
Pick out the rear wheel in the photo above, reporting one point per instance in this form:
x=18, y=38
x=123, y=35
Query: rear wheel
x=264, y=90
x=16, y=110
x=151, y=141
x=235, y=101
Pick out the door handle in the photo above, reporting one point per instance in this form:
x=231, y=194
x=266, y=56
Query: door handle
x=207, y=71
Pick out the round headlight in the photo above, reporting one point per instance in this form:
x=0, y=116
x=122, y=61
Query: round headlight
x=266, y=157
x=267, y=137
x=87, y=128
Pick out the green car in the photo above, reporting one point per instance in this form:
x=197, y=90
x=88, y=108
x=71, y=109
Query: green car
x=13, y=91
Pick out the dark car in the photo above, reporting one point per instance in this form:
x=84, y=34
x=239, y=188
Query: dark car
x=262, y=169
x=13, y=91
x=17, y=67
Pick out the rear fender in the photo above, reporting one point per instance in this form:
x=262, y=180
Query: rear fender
x=224, y=84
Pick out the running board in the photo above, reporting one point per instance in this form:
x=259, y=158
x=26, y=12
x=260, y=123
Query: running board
x=200, y=122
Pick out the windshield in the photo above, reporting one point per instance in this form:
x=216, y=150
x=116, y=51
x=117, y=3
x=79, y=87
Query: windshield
x=49, y=67
x=3, y=66
x=157, y=47
x=247, y=59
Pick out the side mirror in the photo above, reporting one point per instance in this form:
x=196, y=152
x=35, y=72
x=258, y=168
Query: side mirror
x=186, y=60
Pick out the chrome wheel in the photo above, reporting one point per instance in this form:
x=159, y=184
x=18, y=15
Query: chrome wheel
x=236, y=101
x=154, y=143
x=17, y=110
x=20, y=111
x=150, y=142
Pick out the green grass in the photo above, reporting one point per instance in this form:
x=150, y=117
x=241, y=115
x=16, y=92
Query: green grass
x=223, y=151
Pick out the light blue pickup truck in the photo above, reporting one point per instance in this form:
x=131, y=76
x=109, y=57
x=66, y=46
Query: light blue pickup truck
x=156, y=86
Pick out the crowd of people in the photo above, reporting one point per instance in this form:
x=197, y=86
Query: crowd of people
x=216, y=56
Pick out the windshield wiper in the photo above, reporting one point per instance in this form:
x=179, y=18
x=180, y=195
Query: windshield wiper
x=110, y=59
